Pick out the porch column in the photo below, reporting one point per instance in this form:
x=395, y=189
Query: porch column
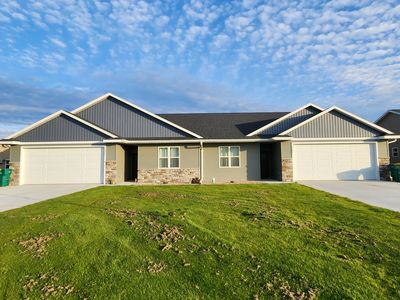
x=384, y=160
x=111, y=164
x=286, y=161
x=15, y=159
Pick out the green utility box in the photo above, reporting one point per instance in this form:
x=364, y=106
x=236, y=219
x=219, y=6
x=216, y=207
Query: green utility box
x=5, y=177
x=395, y=172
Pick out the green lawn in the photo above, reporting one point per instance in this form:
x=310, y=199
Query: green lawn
x=200, y=242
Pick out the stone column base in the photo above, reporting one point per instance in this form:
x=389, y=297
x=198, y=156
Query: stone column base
x=14, y=179
x=287, y=170
x=158, y=176
x=384, y=172
x=111, y=172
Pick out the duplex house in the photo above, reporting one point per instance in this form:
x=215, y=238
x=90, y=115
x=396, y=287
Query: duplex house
x=391, y=121
x=110, y=140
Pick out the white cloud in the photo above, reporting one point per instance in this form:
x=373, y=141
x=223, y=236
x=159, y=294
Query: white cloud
x=58, y=42
x=336, y=43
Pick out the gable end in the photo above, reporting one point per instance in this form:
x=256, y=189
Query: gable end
x=334, y=124
x=62, y=129
x=291, y=121
x=128, y=122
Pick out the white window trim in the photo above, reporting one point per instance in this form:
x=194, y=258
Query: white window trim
x=397, y=148
x=169, y=157
x=229, y=157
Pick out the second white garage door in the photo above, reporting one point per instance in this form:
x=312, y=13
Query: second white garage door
x=335, y=162
x=62, y=165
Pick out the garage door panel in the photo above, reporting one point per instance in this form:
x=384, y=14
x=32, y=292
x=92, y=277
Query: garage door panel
x=335, y=161
x=63, y=165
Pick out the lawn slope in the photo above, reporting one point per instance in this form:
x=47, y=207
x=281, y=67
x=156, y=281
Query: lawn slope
x=200, y=242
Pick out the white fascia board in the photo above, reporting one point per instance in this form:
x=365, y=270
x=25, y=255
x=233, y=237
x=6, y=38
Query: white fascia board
x=122, y=141
x=104, y=97
x=55, y=115
x=12, y=143
x=389, y=137
x=283, y=118
x=370, y=124
x=336, y=139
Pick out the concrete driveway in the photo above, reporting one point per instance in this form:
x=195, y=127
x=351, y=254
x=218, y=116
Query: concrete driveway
x=17, y=196
x=379, y=193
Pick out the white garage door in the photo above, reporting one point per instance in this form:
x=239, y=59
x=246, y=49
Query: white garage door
x=62, y=165
x=335, y=162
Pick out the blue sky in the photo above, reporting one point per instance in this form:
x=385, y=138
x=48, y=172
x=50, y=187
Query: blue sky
x=181, y=56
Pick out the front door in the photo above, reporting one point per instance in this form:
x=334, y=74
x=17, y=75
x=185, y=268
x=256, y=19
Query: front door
x=131, y=163
x=265, y=160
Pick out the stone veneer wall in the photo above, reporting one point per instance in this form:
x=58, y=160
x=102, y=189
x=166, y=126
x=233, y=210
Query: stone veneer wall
x=14, y=179
x=184, y=175
x=287, y=170
x=111, y=171
x=384, y=172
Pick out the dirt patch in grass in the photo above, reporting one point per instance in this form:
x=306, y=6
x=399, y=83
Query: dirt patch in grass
x=282, y=289
x=47, y=286
x=148, y=194
x=155, y=267
x=37, y=246
x=123, y=214
x=45, y=218
x=169, y=234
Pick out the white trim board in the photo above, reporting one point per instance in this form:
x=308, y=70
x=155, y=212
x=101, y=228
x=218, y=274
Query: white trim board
x=55, y=115
x=105, y=96
x=284, y=118
x=349, y=114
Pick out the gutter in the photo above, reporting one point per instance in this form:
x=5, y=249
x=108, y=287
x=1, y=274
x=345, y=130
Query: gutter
x=141, y=142
x=196, y=141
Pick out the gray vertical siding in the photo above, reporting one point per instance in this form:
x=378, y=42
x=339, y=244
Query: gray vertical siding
x=334, y=125
x=293, y=120
x=128, y=122
x=61, y=129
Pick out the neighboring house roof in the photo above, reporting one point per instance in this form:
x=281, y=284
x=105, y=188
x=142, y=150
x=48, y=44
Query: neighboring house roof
x=392, y=111
x=224, y=125
x=131, y=105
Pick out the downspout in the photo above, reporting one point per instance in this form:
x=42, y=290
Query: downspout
x=201, y=162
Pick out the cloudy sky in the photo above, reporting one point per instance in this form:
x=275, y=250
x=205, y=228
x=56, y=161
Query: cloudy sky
x=180, y=56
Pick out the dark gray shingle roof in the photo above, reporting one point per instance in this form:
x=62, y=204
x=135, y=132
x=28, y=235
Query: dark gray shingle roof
x=223, y=125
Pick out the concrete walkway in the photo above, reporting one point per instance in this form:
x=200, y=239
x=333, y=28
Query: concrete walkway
x=379, y=193
x=17, y=196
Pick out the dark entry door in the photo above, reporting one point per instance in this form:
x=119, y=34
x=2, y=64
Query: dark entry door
x=265, y=160
x=131, y=163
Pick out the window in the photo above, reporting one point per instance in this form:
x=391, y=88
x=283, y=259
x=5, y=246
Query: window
x=168, y=158
x=5, y=163
x=229, y=156
x=395, y=152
